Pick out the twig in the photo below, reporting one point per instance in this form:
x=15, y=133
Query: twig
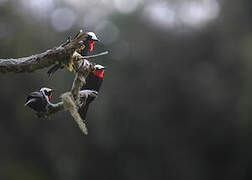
x=95, y=55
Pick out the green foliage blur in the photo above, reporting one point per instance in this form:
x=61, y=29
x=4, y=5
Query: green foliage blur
x=175, y=103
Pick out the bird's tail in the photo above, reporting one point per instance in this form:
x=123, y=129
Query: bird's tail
x=83, y=111
x=53, y=69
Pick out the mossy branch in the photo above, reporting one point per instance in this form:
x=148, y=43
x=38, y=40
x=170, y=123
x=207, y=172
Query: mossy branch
x=73, y=99
x=43, y=60
x=64, y=53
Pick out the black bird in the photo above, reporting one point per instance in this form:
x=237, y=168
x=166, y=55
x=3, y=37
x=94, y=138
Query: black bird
x=87, y=47
x=93, y=82
x=38, y=101
x=89, y=44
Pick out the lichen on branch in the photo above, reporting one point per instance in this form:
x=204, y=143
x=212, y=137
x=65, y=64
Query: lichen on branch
x=73, y=99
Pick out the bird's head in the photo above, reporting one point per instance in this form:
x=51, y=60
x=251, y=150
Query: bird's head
x=91, y=40
x=47, y=92
x=99, y=70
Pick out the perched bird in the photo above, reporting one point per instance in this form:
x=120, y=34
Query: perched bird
x=88, y=44
x=39, y=101
x=87, y=47
x=93, y=82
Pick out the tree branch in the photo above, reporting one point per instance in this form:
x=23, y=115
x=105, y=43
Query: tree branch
x=72, y=100
x=54, y=108
x=32, y=63
x=66, y=54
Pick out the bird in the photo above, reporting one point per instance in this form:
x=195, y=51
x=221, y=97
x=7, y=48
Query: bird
x=39, y=100
x=88, y=44
x=86, y=48
x=93, y=82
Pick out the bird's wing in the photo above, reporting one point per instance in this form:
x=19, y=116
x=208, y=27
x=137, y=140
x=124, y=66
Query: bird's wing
x=84, y=50
x=92, y=83
x=35, y=95
x=30, y=101
x=32, y=97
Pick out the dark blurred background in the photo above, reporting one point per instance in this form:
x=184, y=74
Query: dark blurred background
x=176, y=102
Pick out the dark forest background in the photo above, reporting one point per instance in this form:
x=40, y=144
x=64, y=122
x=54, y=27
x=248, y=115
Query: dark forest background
x=176, y=102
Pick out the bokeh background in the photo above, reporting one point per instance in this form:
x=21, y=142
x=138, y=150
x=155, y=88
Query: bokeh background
x=176, y=102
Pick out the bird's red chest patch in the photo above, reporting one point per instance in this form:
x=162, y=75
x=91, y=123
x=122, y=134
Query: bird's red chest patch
x=99, y=73
x=91, y=45
x=50, y=96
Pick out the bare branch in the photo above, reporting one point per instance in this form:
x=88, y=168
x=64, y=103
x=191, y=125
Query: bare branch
x=32, y=63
